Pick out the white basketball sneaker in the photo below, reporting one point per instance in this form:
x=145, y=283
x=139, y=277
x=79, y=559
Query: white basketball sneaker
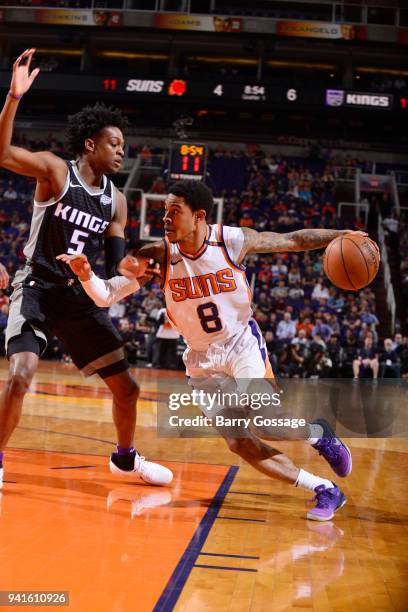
x=152, y=473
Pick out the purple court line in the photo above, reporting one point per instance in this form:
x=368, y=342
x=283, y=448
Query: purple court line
x=175, y=585
x=237, y=518
x=251, y=493
x=72, y=467
x=222, y=567
x=225, y=555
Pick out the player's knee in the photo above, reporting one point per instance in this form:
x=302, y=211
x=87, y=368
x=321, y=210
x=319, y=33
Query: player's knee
x=19, y=381
x=129, y=392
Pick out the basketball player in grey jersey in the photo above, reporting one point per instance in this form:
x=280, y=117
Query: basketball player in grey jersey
x=75, y=207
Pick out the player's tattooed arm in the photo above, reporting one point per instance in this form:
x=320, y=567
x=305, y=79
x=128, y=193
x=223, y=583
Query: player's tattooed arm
x=301, y=240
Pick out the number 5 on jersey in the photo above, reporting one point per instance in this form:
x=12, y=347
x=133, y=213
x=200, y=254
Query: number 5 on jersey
x=78, y=244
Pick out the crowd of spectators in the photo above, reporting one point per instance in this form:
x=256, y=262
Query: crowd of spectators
x=312, y=329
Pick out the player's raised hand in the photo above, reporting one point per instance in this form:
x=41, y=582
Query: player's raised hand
x=136, y=267
x=22, y=79
x=79, y=265
x=4, y=277
x=361, y=233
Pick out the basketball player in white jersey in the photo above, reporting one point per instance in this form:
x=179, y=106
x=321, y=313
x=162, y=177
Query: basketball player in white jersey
x=208, y=301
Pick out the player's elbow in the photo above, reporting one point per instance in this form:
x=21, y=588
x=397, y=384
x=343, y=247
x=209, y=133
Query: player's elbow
x=4, y=155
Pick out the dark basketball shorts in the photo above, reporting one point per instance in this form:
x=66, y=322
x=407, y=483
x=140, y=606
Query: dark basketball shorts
x=63, y=309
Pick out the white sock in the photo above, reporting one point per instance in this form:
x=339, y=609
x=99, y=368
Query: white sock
x=310, y=481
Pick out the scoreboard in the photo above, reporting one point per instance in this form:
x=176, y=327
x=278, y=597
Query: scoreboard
x=285, y=94
x=187, y=160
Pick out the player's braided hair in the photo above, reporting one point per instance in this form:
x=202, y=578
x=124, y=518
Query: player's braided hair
x=89, y=121
x=195, y=193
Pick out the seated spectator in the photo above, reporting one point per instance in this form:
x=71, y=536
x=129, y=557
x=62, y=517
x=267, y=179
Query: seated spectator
x=320, y=291
x=129, y=337
x=390, y=366
x=280, y=291
x=150, y=302
x=299, y=354
x=321, y=329
x=367, y=360
x=402, y=352
x=274, y=348
x=279, y=268
x=397, y=343
x=305, y=324
x=368, y=317
x=320, y=364
x=10, y=193
x=333, y=322
x=294, y=275
x=335, y=353
x=295, y=292
x=286, y=329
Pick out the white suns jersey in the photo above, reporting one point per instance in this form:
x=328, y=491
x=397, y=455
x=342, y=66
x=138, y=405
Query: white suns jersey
x=208, y=298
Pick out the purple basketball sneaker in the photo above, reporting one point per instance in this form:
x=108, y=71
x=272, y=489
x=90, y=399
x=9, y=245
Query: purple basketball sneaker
x=336, y=453
x=328, y=502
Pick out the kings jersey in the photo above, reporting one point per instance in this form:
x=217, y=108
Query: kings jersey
x=73, y=223
x=207, y=295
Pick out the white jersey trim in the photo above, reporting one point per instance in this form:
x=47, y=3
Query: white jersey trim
x=87, y=188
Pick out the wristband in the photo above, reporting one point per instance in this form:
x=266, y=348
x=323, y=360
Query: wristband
x=13, y=96
x=106, y=292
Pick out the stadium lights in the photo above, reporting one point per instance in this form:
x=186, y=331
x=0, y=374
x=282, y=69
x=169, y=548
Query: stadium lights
x=375, y=70
x=284, y=64
x=223, y=60
x=125, y=55
x=59, y=51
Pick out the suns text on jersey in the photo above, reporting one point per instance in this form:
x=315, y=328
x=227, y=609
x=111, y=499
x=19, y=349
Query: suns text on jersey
x=203, y=285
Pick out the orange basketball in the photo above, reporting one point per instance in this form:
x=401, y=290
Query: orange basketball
x=351, y=261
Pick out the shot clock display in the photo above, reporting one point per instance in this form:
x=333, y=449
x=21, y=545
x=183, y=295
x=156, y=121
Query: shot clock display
x=187, y=160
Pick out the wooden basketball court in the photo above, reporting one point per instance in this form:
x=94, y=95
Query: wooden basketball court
x=222, y=537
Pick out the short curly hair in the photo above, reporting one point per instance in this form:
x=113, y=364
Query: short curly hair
x=195, y=193
x=88, y=122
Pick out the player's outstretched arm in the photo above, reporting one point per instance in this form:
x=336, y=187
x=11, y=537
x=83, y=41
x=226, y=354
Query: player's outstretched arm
x=44, y=165
x=104, y=292
x=301, y=240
